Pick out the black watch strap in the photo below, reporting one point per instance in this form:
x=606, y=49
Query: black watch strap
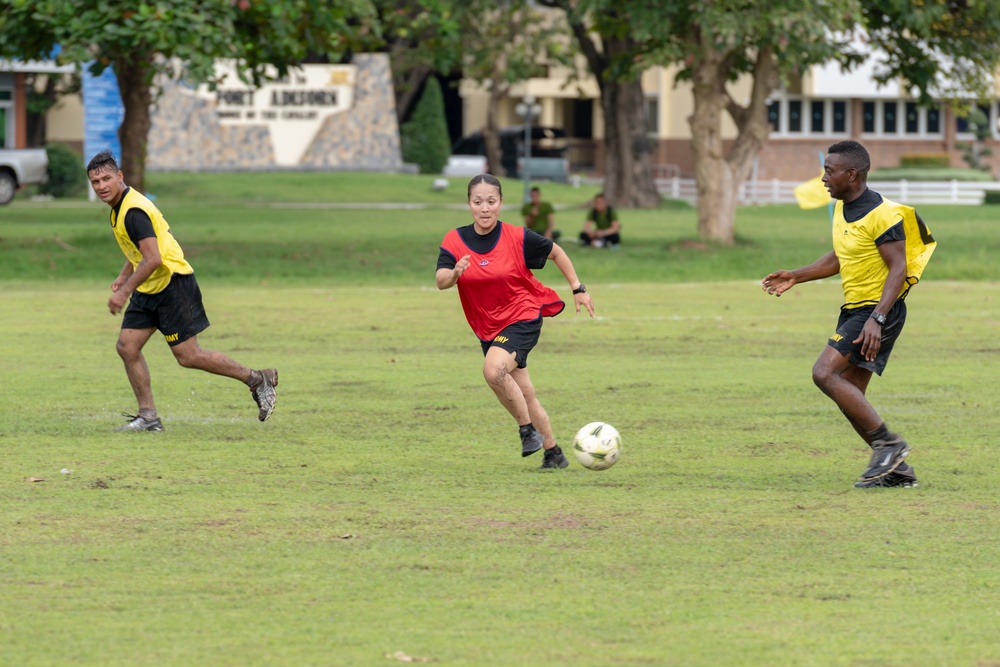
x=581, y=289
x=879, y=318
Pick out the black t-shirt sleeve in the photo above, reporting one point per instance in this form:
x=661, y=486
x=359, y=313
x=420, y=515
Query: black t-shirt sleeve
x=138, y=225
x=446, y=260
x=537, y=249
x=894, y=233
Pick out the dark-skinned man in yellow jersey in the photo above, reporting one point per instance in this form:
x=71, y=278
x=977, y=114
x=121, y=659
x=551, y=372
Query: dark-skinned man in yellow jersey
x=162, y=294
x=879, y=250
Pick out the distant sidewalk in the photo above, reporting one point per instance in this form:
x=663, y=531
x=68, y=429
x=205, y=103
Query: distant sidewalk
x=411, y=206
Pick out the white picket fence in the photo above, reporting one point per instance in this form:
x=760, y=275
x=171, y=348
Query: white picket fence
x=781, y=192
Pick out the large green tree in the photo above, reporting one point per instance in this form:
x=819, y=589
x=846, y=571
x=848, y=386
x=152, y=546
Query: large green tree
x=937, y=47
x=504, y=44
x=612, y=47
x=422, y=37
x=141, y=39
x=496, y=44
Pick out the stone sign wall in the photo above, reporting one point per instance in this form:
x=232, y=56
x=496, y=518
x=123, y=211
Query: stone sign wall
x=319, y=117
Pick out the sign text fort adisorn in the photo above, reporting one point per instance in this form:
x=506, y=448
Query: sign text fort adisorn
x=292, y=108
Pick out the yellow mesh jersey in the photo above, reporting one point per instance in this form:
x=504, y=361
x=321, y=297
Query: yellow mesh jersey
x=862, y=269
x=170, y=250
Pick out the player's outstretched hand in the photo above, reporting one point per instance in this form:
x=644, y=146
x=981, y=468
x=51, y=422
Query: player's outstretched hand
x=584, y=299
x=778, y=283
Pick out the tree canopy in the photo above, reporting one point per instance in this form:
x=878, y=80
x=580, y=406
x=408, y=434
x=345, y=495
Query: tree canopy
x=421, y=37
x=938, y=49
x=143, y=38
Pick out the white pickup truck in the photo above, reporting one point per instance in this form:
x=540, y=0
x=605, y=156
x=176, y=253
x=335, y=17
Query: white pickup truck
x=20, y=167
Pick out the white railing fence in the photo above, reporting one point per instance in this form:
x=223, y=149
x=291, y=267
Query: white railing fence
x=905, y=192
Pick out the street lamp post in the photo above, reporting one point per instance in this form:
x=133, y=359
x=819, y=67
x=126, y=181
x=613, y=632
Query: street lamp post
x=528, y=110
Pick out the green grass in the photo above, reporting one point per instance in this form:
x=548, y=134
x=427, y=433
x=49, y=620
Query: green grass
x=385, y=506
x=267, y=239
x=243, y=188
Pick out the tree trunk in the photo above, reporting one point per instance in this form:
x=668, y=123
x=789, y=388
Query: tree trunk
x=137, y=97
x=628, y=177
x=491, y=131
x=713, y=176
x=719, y=177
x=407, y=85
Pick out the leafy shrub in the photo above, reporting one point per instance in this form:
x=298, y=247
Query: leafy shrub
x=66, y=175
x=424, y=138
x=925, y=160
x=991, y=197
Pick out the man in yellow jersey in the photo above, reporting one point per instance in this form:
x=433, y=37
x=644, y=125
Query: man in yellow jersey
x=870, y=253
x=164, y=295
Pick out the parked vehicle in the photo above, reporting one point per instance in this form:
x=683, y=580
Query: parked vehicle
x=465, y=165
x=20, y=167
x=546, y=142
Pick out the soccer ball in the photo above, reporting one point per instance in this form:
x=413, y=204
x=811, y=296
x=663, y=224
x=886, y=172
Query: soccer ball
x=597, y=446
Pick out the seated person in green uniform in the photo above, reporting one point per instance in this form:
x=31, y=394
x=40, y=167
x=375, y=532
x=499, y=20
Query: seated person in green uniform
x=601, y=228
x=539, y=216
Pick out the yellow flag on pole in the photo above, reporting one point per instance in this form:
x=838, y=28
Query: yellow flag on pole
x=812, y=193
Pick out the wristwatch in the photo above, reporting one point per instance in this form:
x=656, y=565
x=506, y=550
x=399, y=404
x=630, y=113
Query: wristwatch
x=879, y=318
x=583, y=288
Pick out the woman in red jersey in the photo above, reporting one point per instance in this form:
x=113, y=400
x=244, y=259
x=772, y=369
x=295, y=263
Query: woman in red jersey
x=491, y=262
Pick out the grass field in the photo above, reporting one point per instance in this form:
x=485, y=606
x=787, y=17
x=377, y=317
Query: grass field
x=384, y=514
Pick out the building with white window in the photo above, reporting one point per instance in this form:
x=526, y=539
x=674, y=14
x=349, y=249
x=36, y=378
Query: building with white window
x=14, y=104
x=822, y=107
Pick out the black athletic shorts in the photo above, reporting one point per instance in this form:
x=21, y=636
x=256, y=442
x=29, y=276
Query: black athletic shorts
x=177, y=311
x=849, y=327
x=519, y=338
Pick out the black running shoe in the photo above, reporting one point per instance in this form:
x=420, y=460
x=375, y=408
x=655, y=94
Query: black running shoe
x=264, y=393
x=140, y=423
x=554, y=458
x=887, y=455
x=903, y=476
x=531, y=440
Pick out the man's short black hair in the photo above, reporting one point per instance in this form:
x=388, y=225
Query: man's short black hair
x=101, y=161
x=857, y=156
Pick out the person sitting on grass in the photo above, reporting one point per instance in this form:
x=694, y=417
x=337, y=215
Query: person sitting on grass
x=601, y=229
x=539, y=216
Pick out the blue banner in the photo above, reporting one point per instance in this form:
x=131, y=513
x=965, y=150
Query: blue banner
x=102, y=114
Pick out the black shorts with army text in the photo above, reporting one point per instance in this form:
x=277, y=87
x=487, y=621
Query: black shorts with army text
x=177, y=312
x=849, y=326
x=519, y=338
